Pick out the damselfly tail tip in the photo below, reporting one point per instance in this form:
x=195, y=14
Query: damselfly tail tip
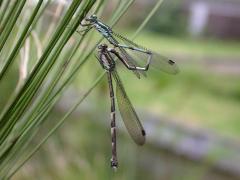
x=114, y=166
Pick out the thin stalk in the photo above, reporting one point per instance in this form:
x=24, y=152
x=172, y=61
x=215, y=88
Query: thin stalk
x=29, y=92
x=69, y=112
x=4, y=8
x=124, y=8
x=155, y=8
x=8, y=15
x=9, y=26
x=34, y=81
x=57, y=125
x=20, y=41
x=45, y=97
x=65, y=117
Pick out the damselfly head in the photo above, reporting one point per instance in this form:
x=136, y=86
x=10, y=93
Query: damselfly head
x=102, y=46
x=91, y=18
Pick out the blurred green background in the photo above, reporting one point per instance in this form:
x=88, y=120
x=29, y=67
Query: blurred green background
x=192, y=119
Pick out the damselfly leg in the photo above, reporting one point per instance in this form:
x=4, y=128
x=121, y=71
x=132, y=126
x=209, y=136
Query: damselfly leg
x=128, y=65
x=83, y=31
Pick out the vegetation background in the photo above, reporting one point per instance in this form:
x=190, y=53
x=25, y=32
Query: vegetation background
x=54, y=105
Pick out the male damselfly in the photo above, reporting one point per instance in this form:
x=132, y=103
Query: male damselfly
x=130, y=51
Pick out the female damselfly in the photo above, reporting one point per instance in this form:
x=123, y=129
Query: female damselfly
x=106, y=59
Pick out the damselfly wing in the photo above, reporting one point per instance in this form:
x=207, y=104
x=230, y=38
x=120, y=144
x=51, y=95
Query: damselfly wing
x=128, y=113
x=158, y=61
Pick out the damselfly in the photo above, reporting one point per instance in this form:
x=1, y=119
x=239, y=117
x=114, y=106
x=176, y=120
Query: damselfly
x=106, y=59
x=131, y=52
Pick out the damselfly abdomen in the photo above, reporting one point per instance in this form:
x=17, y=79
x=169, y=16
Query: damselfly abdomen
x=106, y=59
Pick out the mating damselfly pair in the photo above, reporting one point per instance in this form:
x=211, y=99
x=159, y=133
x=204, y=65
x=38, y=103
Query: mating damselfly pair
x=131, y=55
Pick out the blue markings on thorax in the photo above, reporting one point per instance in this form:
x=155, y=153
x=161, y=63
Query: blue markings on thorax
x=106, y=31
x=103, y=29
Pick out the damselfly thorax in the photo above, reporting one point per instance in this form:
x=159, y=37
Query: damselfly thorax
x=105, y=58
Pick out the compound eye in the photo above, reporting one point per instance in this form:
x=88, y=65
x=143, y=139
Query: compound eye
x=101, y=46
x=93, y=16
x=104, y=45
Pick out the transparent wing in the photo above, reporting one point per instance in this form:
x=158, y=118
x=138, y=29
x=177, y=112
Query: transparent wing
x=127, y=55
x=128, y=113
x=164, y=64
x=158, y=61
